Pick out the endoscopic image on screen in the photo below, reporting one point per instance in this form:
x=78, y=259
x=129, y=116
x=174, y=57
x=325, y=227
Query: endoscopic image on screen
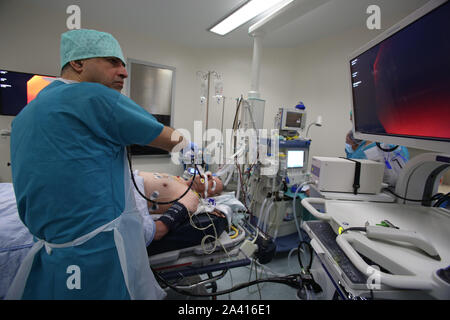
x=401, y=86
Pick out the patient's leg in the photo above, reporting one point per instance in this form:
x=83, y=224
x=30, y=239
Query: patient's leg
x=163, y=188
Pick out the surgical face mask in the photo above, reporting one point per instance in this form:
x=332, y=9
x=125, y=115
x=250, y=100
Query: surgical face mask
x=348, y=148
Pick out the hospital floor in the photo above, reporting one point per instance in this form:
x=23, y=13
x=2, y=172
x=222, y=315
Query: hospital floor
x=281, y=264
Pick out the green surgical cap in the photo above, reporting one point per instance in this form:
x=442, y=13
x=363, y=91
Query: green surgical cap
x=83, y=44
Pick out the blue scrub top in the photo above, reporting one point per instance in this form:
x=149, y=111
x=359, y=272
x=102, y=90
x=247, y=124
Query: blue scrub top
x=359, y=153
x=67, y=156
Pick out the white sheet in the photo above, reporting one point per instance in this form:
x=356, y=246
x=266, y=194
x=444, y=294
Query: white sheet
x=15, y=240
x=141, y=204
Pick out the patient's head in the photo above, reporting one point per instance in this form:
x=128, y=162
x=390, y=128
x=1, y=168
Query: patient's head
x=215, y=185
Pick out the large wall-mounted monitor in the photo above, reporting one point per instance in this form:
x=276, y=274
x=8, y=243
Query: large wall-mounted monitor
x=17, y=89
x=401, y=82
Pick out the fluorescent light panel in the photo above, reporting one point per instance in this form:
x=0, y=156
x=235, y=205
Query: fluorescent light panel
x=244, y=14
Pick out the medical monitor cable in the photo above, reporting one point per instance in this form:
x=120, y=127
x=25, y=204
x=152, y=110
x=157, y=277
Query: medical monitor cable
x=293, y=280
x=153, y=201
x=437, y=196
x=386, y=150
x=207, y=236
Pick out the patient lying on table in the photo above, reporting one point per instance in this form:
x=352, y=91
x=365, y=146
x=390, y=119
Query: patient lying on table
x=162, y=187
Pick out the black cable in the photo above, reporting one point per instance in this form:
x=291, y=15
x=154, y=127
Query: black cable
x=386, y=150
x=433, y=198
x=354, y=229
x=293, y=280
x=237, y=112
x=235, y=122
x=153, y=201
x=438, y=196
x=442, y=199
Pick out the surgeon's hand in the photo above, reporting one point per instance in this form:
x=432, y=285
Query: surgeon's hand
x=189, y=153
x=190, y=148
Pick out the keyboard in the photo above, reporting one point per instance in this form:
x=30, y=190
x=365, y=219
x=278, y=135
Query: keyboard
x=326, y=236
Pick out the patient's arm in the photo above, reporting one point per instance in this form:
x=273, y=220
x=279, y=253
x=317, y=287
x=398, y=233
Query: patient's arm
x=160, y=230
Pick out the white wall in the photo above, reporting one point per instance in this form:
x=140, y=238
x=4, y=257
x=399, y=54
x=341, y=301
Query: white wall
x=234, y=66
x=322, y=80
x=315, y=73
x=32, y=45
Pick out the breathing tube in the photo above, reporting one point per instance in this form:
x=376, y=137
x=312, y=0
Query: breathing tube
x=151, y=200
x=226, y=172
x=205, y=176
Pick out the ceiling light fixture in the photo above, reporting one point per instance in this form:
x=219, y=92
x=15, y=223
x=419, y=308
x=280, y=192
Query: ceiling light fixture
x=245, y=13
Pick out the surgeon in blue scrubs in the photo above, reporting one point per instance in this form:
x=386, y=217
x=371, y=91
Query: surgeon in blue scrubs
x=72, y=182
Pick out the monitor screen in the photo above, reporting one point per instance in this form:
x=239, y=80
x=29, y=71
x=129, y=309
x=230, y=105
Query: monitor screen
x=294, y=119
x=17, y=89
x=401, y=85
x=295, y=158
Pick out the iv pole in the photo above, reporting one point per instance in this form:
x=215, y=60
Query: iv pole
x=207, y=76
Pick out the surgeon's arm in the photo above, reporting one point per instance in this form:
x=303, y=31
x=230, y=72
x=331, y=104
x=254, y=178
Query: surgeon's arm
x=170, y=140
